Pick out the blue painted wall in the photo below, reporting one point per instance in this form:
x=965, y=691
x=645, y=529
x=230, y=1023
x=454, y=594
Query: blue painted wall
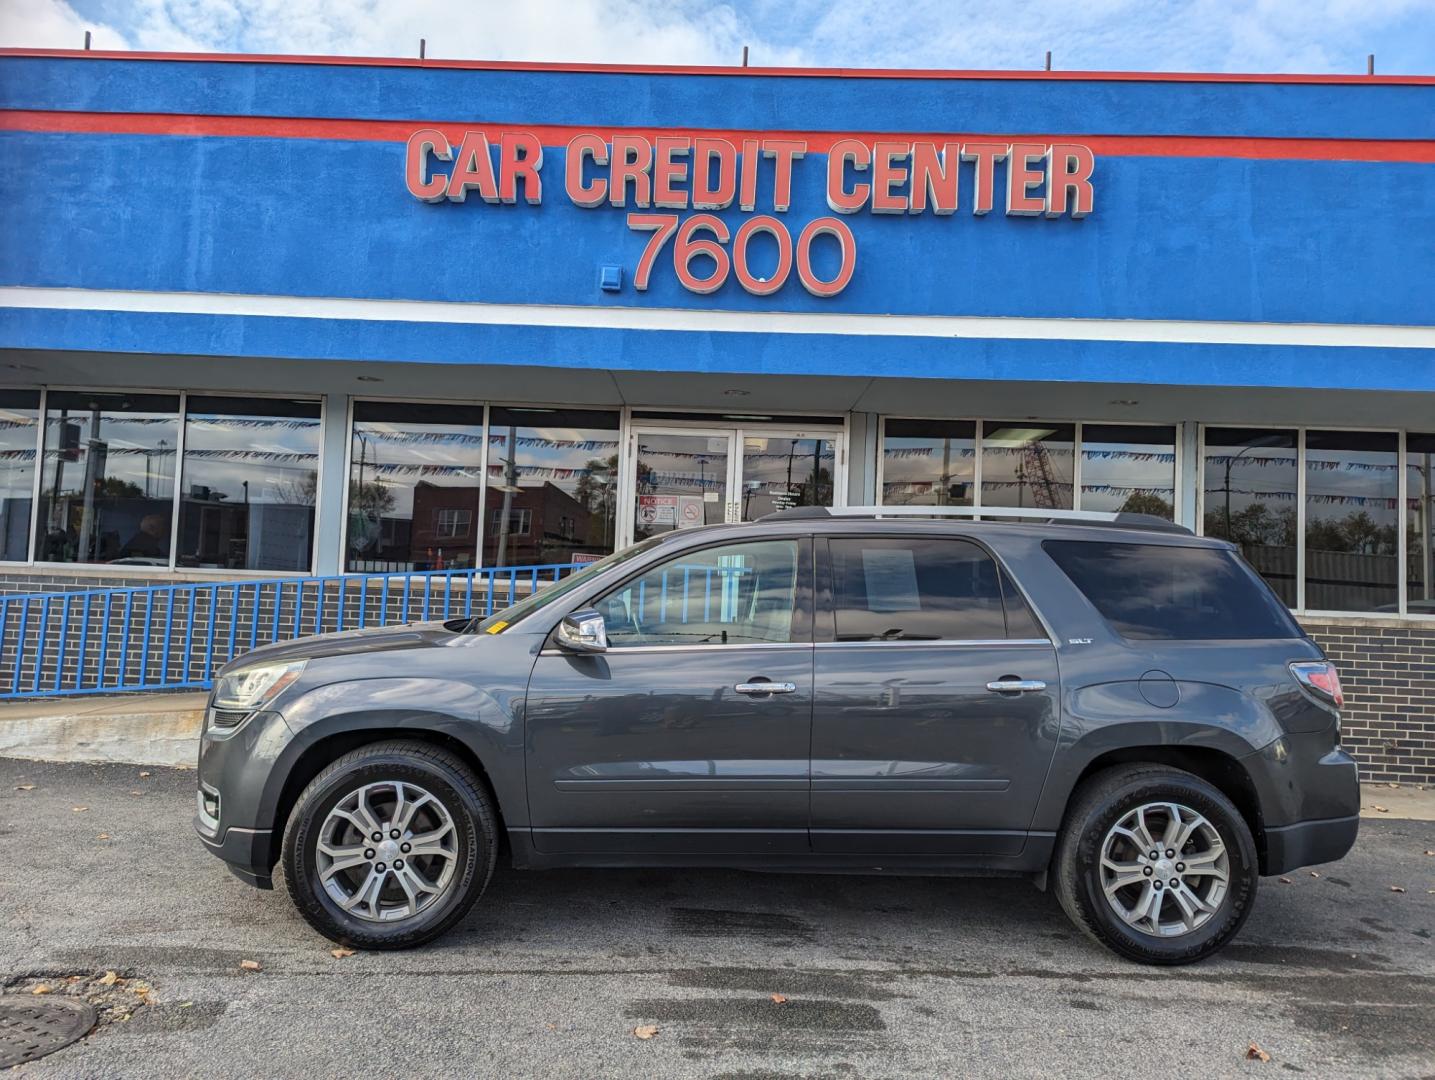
x=1171, y=238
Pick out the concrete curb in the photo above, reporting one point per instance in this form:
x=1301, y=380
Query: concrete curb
x=132, y=729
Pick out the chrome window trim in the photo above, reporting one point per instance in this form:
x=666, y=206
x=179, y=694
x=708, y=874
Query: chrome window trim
x=626, y=649
x=985, y=643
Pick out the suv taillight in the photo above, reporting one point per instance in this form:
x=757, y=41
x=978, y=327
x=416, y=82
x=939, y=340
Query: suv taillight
x=1321, y=679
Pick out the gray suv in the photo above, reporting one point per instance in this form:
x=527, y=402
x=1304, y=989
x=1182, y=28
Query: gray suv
x=1107, y=704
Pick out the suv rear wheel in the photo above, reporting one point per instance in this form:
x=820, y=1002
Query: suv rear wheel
x=389, y=846
x=1156, y=864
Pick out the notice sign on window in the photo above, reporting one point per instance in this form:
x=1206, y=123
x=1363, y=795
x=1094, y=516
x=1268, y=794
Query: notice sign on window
x=891, y=579
x=657, y=509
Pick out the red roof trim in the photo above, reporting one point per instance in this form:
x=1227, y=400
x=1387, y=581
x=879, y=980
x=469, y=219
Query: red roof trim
x=675, y=69
x=819, y=142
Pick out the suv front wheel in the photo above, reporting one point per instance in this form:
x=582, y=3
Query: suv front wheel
x=1156, y=864
x=389, y=846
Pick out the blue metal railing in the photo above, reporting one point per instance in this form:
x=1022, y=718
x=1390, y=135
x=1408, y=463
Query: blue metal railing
x=174, y=637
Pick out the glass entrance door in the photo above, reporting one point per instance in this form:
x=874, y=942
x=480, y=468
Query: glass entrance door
x=681, y=479
x=684, y=477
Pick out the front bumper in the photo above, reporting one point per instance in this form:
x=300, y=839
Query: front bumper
x=235, y=813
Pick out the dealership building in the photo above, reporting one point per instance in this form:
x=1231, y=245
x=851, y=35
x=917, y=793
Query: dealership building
x=297, y=316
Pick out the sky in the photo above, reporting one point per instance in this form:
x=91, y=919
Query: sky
x=1308, y=36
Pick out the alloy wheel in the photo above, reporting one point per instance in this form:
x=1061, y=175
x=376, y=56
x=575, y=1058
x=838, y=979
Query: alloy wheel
x=387, y=851
x=1164, y=869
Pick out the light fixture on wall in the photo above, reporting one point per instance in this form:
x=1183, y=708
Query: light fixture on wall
x=736, y=393
x=1125, y=401
x=368, y=378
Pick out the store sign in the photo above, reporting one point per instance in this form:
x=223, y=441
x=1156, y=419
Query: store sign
x=683, y=173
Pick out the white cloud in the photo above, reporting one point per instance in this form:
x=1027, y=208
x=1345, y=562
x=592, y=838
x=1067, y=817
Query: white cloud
x=631, y=31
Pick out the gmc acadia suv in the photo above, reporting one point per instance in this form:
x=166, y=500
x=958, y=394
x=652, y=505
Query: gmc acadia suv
x=1119, y=709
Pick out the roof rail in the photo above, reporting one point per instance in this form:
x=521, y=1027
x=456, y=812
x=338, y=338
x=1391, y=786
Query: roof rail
x=1020, y=513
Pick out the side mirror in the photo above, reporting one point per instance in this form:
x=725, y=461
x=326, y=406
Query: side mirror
x=584, y=632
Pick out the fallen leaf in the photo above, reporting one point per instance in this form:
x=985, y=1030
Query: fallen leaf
x=551, y=1027
x=103, y=836
x=110, y=978
x=1397, y=888
x=142, y=776
x=186, y=1004
x=250, y=965
x=1255, y=1053
x=1381, y=809
x=340, y=953
x=779, y=999
x=1430, y=853
x=645, y=1031
x=1285, y=881
x=41, y=989
x=139, y=986
x=136, y=792
x=79, y=809
x=24, y=787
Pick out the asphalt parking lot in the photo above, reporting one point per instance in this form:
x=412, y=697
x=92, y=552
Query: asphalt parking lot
x=551, y=973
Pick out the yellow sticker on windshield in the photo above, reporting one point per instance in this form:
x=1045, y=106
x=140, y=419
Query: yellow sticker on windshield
x=498, y=628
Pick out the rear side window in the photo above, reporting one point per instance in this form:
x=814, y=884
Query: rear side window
x=1160, y=592
x=916, y=589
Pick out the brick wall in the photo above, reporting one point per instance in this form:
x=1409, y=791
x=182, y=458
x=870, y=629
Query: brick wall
x=1388, y=671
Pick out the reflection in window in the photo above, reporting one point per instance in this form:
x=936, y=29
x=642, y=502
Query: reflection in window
x=413, y=468
x=1249, y=482
x=779, y=473
x=107, y=483
x=1129, y=468
x=251, y=469
x=915, y=590
x=1420, y=523
x=19, y=425
x=1027, y=463
x=928, y=462
x=738, y=594
x=1351, y=502
x=552, y=486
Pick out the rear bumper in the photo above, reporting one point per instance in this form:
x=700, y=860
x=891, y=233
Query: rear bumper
x=1308, y=843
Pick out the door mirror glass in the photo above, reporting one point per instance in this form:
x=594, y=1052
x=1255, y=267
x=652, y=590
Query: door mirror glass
x=583, y=631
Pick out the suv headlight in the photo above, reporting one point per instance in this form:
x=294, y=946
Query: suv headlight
x=251, y=688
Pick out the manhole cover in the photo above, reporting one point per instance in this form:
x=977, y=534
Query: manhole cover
x=30, y=1028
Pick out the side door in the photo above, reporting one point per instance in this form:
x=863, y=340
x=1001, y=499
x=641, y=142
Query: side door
x=936, y=707
x=690, y=733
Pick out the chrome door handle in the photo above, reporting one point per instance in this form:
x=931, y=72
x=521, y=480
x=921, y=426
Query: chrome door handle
x=1015, y=686
x=766, y=688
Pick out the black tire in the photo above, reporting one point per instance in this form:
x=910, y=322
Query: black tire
x=1101, y=802
x=438, y=772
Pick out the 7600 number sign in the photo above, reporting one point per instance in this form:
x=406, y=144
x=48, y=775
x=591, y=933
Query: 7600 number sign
x=688, y=245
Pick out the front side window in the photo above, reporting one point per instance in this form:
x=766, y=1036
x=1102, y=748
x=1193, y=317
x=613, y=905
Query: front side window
x=19, y=421
x=107, y=481
x=407, y=462
x=737, y=594
x=917, y=589
x=250, y=474
x=1172, y=593
x=1249, y=490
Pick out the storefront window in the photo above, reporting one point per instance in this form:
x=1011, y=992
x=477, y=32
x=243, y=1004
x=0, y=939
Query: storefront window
x=1027, y=463
x=928, y=462
x=19, y=423
x=1128, y=468
x=1420, y=523
x=1351, y=521
x=107, y=485
x=251, y=470
x=414, y=471
x=1249, y=486
x=552, y=486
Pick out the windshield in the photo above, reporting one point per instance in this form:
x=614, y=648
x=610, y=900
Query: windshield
x=502, y=620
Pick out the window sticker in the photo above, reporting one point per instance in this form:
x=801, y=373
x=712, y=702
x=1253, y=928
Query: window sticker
x=890, y=576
